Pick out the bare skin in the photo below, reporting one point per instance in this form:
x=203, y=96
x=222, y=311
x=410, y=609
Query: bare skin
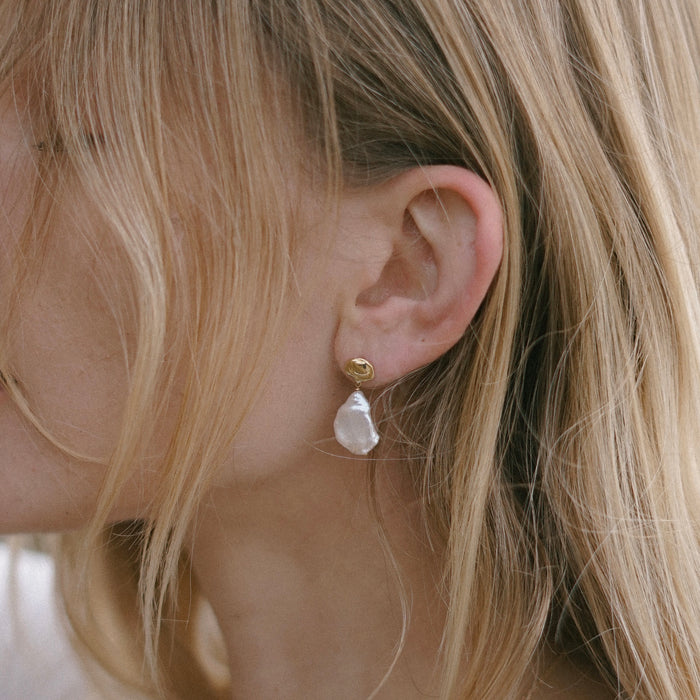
x=306, y=598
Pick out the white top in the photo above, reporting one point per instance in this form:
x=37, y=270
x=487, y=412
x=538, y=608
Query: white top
x=37, y=661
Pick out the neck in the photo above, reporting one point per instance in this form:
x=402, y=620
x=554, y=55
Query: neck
x=306, y=596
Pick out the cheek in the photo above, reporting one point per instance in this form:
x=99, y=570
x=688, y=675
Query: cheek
x=42, y=489
x=71, y=376
x=67, y=354
x=69, y=359
x=61, y=342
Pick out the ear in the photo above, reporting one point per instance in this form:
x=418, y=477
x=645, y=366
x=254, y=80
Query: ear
x=436, y=243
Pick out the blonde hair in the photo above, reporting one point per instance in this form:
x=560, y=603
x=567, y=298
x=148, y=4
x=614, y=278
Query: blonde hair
x=554, y=447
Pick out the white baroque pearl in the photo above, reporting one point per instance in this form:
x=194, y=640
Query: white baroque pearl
x=353, y=425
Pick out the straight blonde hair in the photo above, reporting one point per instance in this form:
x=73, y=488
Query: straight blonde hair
x=554, y=448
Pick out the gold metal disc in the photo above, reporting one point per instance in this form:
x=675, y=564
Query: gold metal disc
x=359, y=370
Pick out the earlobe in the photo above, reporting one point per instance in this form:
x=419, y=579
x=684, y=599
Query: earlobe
x=443, y=226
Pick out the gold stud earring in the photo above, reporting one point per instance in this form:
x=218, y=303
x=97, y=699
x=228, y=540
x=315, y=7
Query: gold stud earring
x=353, y=426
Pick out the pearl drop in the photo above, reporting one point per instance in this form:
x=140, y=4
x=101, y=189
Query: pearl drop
x=353, y=425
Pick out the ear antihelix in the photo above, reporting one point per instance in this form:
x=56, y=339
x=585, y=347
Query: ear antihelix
x=353, y=426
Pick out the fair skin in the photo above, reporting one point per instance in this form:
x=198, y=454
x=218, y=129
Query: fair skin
x=286, y=546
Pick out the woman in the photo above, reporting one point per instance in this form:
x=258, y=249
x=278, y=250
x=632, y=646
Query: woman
x=211, y=208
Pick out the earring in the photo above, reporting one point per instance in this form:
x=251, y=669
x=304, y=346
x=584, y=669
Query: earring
x=353, y=426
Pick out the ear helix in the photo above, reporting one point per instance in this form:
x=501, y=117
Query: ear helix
x=353, y=426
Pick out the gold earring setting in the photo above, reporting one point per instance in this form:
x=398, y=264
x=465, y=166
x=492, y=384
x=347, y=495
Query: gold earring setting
x=353, y=426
